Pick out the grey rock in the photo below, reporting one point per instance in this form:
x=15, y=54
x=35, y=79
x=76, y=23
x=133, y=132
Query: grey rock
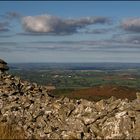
x=3, y=66
x=135, y=105
x=113, y=105
x=100, y=105
x=138, y=95
x=30, y=107
x=71, y=135
x=94, y=128
x=117, y=127
x=136, y=130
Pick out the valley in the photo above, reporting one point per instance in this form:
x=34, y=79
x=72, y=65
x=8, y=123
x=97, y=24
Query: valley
x=83, y=80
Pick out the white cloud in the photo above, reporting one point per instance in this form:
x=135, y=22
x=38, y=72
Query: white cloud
x=55, y=25
x=131, y=24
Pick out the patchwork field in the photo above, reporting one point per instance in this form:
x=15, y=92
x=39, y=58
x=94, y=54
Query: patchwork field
x=90, y=81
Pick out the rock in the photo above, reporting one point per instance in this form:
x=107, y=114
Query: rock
x=117, y=127
x=113, y=105
x=88, y=136
x=136, y=130
x=138, y=95
x=111, y=99
x=42, y=116
x=96, y=130
x=3, y=66
x=74, y=124
x=40, y=121
x=100, y=105
x=86, y=103
x=135, y=105
x=89, y=120
x=71, y=135
x=54, y=136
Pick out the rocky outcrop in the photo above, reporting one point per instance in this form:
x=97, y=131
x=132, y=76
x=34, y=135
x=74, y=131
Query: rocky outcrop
x=32, y=108
x=3, y=66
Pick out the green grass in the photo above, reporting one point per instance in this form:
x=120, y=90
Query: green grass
x=79, y=79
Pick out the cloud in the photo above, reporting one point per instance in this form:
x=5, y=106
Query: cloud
x=8, y=46
x=8, y=43
x=12, y=15
x=6, y=36
x=127, y=38
x=54, y=25
x=80, y=46
x=134, y=39
x=39, y=34
x=131, y=24
x=112, y=46
x=99, y=31
x=6, y=20
x=5, y=49
x=4, y=26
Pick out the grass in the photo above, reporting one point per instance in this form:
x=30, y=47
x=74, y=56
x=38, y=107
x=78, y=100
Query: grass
x=11, y=132
x=79, y=78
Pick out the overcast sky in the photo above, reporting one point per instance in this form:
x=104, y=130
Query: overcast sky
x=70, y=31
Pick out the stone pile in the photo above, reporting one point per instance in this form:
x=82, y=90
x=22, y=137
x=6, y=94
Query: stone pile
x=43, y=116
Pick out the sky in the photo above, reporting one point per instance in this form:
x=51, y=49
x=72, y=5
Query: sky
x=70, y=31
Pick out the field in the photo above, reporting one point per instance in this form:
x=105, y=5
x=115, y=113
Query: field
x=83, y=81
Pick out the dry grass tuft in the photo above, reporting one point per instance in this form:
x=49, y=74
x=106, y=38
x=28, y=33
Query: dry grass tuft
x=11, y=132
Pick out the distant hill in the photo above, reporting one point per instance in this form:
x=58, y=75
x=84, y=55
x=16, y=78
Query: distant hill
x=74, y=66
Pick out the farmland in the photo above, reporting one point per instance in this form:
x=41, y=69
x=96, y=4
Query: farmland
x=70, y=78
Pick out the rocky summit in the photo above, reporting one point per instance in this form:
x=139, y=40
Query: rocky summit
x=3, y=66
x=43, y=116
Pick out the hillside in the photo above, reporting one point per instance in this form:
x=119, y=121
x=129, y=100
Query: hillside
x=40, y=115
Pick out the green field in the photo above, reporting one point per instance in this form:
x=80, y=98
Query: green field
x=68, y=81
x=77, y=79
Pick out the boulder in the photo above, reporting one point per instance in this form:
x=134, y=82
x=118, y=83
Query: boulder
x=3, y=66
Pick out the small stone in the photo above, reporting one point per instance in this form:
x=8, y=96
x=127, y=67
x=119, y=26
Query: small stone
x=88, y=120
x=136, y=105
x=88, y=136
x=40, y=121
x=71, y=135
x=47, y=129
x=95, y=130
x=138, y=95
x=113, y=105
x=136, y=130
x=100, y=105
x=118, y=127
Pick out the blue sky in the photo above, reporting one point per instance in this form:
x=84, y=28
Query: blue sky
x=70, y=31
